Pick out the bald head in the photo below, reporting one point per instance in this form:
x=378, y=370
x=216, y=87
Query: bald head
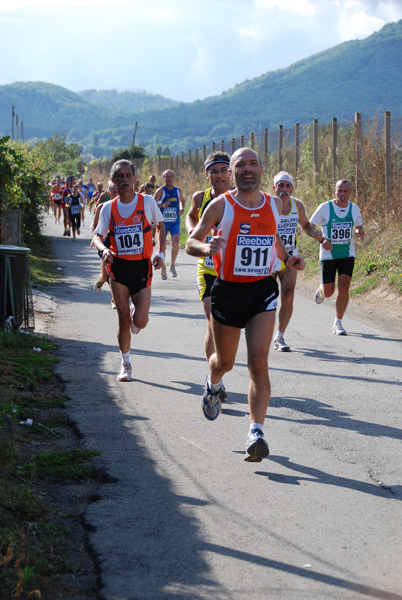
x=245, y=154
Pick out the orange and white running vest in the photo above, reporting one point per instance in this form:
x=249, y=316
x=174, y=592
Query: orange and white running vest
x=251, y=249
x=130, y=238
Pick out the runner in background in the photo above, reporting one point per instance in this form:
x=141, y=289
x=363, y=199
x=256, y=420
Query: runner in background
x=171, y=202
x=217, y=174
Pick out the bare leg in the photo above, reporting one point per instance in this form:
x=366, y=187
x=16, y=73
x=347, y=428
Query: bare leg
x=175, y=248
x=259, y=332
x=288, y=279
x=226, y=341
x=209, y=345
x=343, y=295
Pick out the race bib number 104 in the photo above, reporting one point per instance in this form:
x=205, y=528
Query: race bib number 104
x=129, y=239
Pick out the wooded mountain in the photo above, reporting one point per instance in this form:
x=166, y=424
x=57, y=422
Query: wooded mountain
x=356, y=76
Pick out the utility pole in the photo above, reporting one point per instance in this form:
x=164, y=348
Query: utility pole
x=135, y=132
x=16, y=126
x=12, y=121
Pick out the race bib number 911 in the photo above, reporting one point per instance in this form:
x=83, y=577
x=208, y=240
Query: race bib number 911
x=253, y=255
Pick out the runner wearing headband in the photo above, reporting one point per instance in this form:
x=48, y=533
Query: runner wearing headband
x=217, y=174
x=292, y=214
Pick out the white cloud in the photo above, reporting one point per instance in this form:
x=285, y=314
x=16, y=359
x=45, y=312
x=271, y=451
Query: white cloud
x=300, y=7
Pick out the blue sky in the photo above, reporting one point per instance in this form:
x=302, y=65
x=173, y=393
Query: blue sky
x=182, y=49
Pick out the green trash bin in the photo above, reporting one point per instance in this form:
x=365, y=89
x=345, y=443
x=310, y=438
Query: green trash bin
x=15, y=288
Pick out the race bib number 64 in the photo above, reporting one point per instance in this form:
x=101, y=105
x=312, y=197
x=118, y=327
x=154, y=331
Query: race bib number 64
x=129, y=239
x=253, y=255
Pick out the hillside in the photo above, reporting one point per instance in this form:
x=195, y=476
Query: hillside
x=353, y=76
x=127, y=101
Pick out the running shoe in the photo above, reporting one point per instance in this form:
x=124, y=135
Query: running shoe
x=78, y=232
x=68, y=232
x=281, y=345
x=318, y=297
x=222, y=393
x=163, y=273
x=125, y=373
x=173, y=272
x=98, y=286
x=257, y=447
x=211, y=404
x=337, y=329
x=65, y=232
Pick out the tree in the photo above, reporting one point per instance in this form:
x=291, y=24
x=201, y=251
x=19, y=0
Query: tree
x=128, y=153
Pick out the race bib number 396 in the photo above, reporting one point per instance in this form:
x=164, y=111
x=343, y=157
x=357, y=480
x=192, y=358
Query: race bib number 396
x=253, y=255
x=341, y=233
x=129, y=239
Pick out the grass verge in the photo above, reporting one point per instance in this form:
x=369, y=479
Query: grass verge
x=40, y=459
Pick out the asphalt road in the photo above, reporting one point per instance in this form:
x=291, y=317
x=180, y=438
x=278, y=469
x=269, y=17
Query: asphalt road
x=182, y=516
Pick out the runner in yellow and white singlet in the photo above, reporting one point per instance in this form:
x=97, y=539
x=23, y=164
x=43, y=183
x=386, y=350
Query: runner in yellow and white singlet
x=217, y=173
x=292, y=214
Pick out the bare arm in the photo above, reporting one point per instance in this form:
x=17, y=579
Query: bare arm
x=196, y=246
x=305, y=224
x=192, y=215
x=182, y=202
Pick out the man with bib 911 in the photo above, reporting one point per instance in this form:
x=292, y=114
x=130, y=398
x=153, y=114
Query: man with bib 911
x=245, y=245
x=128, y=220
x=340, y=220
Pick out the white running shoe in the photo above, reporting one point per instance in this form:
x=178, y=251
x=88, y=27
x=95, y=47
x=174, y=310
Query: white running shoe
x=337, y=329
x=98, y=286
x=257, y=447
x=281, y=345
x=173, y=272
x=163, y=273
x=318, y=297
x=125, y=372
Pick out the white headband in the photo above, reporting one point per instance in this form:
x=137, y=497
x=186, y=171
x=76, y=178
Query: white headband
x=283, y=176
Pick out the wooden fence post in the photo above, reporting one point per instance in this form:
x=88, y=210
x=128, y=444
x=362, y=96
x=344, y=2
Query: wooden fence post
x=252, y=140
x=213, y=146
x=297, y=148
x=222, y=146
x=280, y=146
x=204, y=152
x=315, y=146
x=388, y=163
x=358, y=156
x=334, y=149
x=233, y=145
x=242, y=141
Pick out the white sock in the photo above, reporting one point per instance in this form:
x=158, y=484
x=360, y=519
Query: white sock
x=256, y=426
x=125, y=357
x=279, y=335
x=214, y=387
x=338, y=321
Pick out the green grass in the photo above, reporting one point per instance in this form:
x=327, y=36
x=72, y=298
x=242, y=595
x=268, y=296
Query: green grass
x=67, y=464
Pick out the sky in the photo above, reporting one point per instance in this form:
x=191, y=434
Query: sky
x=182, y=49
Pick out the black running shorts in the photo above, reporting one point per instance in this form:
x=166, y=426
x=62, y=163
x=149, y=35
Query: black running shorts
x=234, y=304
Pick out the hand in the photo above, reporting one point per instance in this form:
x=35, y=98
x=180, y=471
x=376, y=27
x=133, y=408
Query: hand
x=327, y=244
x=158, y=263
x=108, y=256
x=216, y=243
x=296, y=262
